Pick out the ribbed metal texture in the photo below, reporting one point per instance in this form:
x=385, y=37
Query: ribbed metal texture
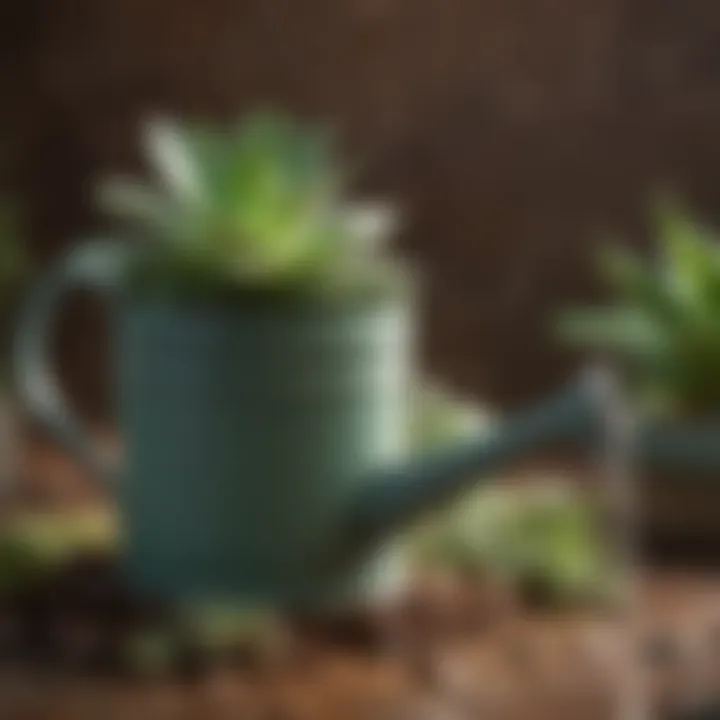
x=248, y=433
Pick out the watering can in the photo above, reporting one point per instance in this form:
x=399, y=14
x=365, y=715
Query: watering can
x=266, y=448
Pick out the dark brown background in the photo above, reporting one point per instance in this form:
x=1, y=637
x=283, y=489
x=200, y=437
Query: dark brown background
x=514, y=131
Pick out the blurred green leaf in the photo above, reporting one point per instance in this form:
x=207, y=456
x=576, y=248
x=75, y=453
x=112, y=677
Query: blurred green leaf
x=139, y=203
x=440, y=416
x=34, y=545
x=542, y=533
x=173, y=159
x=620, y=329
x=664, y=318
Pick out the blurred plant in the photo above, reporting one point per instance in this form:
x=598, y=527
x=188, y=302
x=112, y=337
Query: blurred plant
x=33, y=546
x=199, y=633
x=665, y=321
x=440, y=415
x=540, y=538
x=261, y=205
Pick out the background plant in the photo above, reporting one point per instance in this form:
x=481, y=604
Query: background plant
x=541, y=536
x=262, y=204
x=663, y=322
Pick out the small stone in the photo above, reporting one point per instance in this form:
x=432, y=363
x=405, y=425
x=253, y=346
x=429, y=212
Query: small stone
x=81, y=644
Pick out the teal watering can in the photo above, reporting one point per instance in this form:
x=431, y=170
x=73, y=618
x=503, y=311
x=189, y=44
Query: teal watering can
x=266, y=447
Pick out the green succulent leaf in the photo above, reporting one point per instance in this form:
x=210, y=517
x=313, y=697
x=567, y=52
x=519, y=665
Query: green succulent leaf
x=138, y=203
x=626, y=330
x=633, y=280
x=172, y=156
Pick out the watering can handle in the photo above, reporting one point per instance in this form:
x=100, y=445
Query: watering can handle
x=95, y=265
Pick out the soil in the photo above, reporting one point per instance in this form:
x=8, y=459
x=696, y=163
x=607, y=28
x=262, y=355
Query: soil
x=79, y=645
x=79, y=642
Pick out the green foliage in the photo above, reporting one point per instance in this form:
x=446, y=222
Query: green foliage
x=33, y=546
x=207, y=632
x=543, y=534
x=439, y=416
x=259, y=206
x=664, y=322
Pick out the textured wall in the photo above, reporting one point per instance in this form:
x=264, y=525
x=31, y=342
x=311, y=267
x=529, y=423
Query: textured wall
x=513, y=130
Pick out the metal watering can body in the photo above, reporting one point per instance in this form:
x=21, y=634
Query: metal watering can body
x=266, y=449
x=248, y=435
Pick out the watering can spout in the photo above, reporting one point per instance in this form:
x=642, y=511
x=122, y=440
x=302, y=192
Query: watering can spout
x=394, y=496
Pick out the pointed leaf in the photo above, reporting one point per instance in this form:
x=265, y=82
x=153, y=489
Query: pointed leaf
x=137, y=203
x=172, y=157
x=369, y=225
x=623, y=331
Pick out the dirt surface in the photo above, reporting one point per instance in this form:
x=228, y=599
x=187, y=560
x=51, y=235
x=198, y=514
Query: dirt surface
x=78, y=646
x=73, y=649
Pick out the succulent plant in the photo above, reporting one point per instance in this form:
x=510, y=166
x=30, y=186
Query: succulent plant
x=663, y=323
x=261, y=206
x=541, y=538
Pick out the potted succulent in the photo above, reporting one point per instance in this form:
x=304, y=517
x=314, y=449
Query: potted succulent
x=663, y=327
x=264, y=366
